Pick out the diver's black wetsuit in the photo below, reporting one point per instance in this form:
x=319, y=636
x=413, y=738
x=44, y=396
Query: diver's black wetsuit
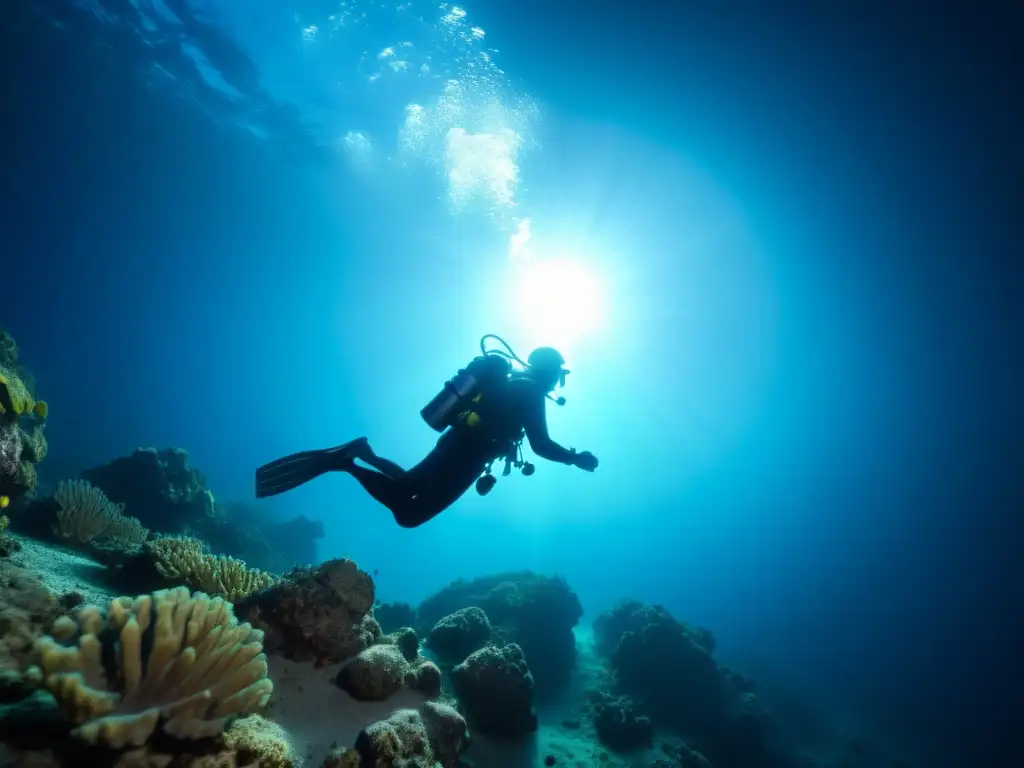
x=417, y=495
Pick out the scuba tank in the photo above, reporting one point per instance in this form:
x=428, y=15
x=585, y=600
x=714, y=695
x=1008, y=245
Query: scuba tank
x=458, y=394
x=490, y=366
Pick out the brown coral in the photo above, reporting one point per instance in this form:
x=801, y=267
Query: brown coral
x=381, y=670
x=430, y=735
x=495, y=689
x=319, y=614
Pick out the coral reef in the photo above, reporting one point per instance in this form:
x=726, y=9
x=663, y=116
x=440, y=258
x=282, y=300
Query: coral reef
x=201, y=668
x=457, y=635
x=20, y=448
x=430, y=735
x=666, y=667
x=170, y=496
x=183, y=560
x=159, y=487
x=174, y=679
x=618, y=724
x=376, y=673
x=495, y=688
x=536, y=612
x=406, y=640
x=320, y=614
x=660, y=662
x=392, y=616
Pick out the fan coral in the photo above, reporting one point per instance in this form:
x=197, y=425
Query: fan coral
x=85, y=513
x=180, y=663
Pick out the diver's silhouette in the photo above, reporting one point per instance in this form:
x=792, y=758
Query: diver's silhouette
x=483, y=413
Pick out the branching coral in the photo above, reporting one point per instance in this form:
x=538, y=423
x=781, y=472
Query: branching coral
x=185, y=559
x=85, y=513
x=172, y=661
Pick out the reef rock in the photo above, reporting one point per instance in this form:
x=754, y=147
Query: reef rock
x=458, y=634
x=537, y=613
x=406, y=640
x=428, y=736
x=381, y=670
x=316, y=614
x=158, y=487
x=666, y=667
x=618, y=724
x=495, y=688
x=662, y=663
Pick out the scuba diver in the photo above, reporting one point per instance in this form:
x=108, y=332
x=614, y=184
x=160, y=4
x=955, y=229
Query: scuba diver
x=483, y=413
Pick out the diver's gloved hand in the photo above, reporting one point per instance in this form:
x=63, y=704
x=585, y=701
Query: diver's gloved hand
x=585, y=460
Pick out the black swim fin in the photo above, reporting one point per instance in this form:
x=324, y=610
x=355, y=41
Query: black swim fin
x=292, y=471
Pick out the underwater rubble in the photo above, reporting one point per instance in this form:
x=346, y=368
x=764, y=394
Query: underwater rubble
x=142, y=624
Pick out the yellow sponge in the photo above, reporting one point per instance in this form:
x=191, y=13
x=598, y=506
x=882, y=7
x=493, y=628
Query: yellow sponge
x=200, y=669
x=14, y=396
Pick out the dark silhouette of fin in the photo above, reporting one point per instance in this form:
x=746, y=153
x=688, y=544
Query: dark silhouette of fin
x=297, y=469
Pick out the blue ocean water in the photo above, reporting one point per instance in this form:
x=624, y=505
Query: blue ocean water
x=770, y=242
